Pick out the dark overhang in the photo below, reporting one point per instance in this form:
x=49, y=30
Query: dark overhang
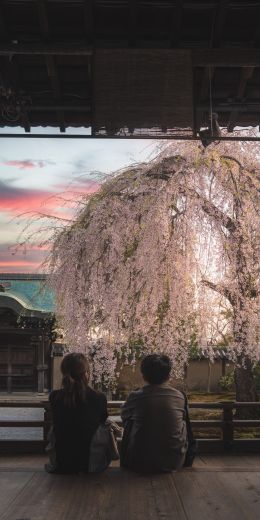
x=129, y=68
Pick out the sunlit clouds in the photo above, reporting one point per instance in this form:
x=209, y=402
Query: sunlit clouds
x=27, y=164
x=43, y=184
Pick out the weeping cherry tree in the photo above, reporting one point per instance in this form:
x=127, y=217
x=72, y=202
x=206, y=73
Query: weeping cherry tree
x=154, y=254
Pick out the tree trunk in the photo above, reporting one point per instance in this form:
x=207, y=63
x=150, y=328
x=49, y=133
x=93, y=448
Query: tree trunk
x=245, y=389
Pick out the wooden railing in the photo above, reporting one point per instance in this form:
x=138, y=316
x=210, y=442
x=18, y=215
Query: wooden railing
x=227, y=424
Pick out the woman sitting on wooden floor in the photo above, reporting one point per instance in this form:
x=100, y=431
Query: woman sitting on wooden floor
x=78, y=412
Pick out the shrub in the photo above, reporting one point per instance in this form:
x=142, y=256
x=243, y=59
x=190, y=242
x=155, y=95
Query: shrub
x=227, y=382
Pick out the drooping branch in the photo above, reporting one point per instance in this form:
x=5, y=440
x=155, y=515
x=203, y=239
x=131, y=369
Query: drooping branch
x=210, y=209
x=251, y=175
x=230, y=158
x=214, y=212
x=224, y=291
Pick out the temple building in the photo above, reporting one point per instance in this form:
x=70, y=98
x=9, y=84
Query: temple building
x=26, y=333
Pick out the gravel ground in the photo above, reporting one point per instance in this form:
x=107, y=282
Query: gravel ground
x=21, y=414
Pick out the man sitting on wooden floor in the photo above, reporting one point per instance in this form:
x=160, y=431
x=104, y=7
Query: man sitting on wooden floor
x=154, y=418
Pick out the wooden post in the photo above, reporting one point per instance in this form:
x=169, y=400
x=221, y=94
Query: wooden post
x=209, y=377
x=228, y=426
x=47, y=421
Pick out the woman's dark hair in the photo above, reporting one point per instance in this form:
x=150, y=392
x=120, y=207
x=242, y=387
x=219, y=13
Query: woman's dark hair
x=156, y=368
x=75, y=378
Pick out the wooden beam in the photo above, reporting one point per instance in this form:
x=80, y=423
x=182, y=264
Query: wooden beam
x=50, y=61
x=11, y=74
x=89, y=20
x=3, y=28
x=257, y=37
x=246, y=74
x=58, y=107
x=224, y=106
x=176, y=21
x=219, y=22
x=43, y=19
x=209, y=71
x=132, y=137
x=56, y=88
x=132, y=22
x=226, y=57
x=188, y=4
x=45, y=49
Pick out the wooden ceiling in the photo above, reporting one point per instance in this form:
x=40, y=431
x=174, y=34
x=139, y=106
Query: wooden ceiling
x=129, y=67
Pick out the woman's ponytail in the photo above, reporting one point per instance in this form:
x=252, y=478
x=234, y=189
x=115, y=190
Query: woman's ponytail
x=75, y=370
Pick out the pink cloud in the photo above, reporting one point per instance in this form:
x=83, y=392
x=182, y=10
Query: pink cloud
x=24, y=200
x=25, y=164
x=20, y=200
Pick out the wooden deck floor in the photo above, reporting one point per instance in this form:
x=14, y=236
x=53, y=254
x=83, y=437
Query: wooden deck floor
x=218, y=487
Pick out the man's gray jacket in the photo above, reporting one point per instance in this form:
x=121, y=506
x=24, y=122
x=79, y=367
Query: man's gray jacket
x=155, y=436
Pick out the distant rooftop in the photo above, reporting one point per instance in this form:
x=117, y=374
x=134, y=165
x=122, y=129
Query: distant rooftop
x=22, y=305
x=31, y=288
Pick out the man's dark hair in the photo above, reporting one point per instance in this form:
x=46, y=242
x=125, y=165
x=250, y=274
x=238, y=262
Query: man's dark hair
x=156, y=368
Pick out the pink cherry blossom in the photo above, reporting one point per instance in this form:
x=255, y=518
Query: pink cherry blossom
x=165, y=252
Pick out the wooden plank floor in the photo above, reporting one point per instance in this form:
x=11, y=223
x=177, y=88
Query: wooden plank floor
x=218, y=487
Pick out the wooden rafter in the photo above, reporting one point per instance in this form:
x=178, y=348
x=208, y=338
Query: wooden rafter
x=198, y=5
x=74, y=49
x=50, y=107
x=79, y=28
x=3, y=30
x=176, y=21
x=43, y=19
x=89, y=23
x=219, y=22
x=209, y=71
x=132, y=22
x=50, y=61
x=56, y=88
x=89, y=20
x=10, y=73
x=257, y=37
x=227, y=106
x=226, y=57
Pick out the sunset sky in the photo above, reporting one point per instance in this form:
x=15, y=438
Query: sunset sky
x=36, y=175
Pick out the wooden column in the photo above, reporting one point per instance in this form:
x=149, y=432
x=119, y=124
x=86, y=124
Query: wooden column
x=228, y=427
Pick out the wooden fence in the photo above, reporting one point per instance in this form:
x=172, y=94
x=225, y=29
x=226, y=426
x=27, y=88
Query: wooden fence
x=227, y=424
